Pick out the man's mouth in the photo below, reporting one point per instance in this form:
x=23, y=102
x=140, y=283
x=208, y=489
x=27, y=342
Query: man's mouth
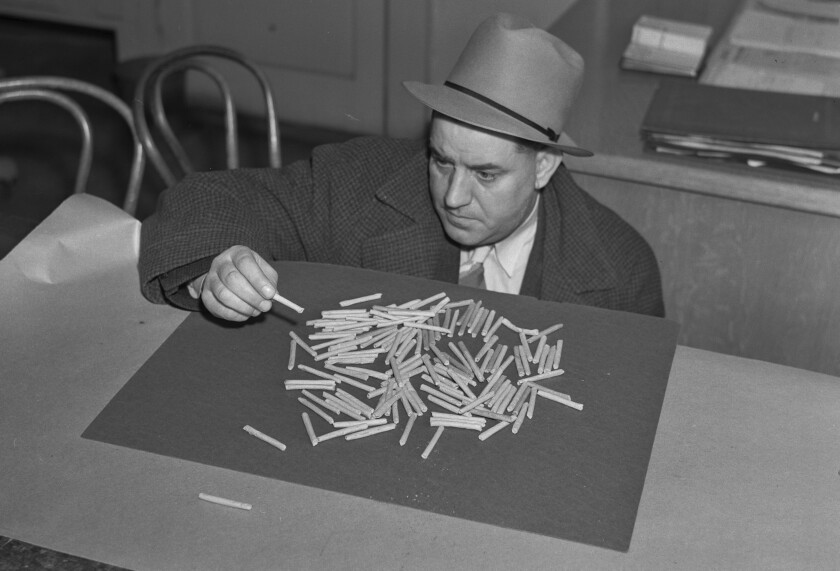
x=457, y=219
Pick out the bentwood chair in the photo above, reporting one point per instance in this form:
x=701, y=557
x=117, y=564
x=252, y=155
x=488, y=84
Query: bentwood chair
x=197, y=58
x=52, y=89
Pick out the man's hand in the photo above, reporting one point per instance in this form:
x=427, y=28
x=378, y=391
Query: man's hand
x=239, y=285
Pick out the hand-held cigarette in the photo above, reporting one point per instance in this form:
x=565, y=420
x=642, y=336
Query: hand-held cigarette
x=290, y=304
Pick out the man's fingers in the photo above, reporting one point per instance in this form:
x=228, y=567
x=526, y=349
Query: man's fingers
x=224, y=303
x=252, y=267
x=231, y=278
x=239, y=285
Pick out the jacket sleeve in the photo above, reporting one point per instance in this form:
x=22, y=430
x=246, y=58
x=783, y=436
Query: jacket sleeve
x=206, y=213
x=309, y=211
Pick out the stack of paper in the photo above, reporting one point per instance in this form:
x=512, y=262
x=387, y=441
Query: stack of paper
x=756, y=127
x=780, y=45
x=665, y=46
x=802, y=26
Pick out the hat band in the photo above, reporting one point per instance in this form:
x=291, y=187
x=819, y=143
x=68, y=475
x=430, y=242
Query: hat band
x=547, y=131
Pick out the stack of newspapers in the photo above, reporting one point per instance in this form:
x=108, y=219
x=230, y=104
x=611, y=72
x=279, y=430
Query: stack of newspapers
x=759, y=128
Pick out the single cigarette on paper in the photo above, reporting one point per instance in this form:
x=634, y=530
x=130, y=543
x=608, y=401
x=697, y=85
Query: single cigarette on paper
x=494, y=327
x=481, y=411
x=520, y=417
x=450, y=423
x=548, y=375
x=526, y=350
x=309, y=430
x=426, y=327
x=342, y=432
x=429, y=300
x=532, y=401
x=552, y=396
x=367, y=423
x=521, y=395
x=535, y=358
x=264, y=437
x=314, y=408
x=491, y=317
x=292, y=350
x=290, y=304
x=545, y=332
x=443, y=396
x=432, y=442
x=493, y=430
x=224, y=502
x=407, y=429
x=480, y=400
x=370, y=431
x=318, y=383
x=362, y=299
x=559, y=347
x=302, y=343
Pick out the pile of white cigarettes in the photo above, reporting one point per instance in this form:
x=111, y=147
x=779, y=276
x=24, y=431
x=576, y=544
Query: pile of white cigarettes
x=419, y=345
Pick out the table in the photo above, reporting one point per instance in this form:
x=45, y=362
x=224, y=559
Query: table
x=744, y=470
x=743, y=252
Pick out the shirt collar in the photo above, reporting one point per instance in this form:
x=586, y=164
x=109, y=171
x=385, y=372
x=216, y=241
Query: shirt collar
x=509, y=251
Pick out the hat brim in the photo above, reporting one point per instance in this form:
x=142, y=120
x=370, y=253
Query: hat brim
x=474, y=112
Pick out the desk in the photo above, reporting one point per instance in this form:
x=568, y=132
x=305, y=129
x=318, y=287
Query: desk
x=744, y=470
x=748, y=256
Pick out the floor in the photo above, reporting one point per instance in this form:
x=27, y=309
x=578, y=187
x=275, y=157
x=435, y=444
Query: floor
x=40, y=142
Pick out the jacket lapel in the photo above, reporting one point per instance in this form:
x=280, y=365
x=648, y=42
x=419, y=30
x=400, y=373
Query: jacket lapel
x=567, y=259
x=411, y=239
x=573, y=260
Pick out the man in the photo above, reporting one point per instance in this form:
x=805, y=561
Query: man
x=504, y=212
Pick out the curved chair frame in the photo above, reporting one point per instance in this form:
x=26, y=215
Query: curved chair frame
x=9, y=86
x=86, y=158
x=189, y=58
x=159, y=116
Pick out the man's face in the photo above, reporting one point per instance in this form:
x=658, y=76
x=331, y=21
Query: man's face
x=483, y=186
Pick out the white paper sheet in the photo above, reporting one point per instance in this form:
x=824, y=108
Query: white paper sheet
x=84, y=237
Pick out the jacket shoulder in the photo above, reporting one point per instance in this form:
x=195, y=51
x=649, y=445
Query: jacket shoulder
x=377, y=154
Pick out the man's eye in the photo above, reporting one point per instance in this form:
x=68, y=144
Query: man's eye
x=485, y=176
x=439, y=162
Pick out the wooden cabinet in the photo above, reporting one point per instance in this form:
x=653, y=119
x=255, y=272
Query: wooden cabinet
x=749, y=257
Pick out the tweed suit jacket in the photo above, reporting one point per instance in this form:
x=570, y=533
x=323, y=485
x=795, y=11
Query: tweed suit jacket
x=366, y=203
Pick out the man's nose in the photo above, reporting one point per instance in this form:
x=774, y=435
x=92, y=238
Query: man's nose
x=458, y=192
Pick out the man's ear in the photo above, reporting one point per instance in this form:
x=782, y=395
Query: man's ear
x=547, y=162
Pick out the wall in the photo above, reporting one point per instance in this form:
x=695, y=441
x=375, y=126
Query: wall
x=453, y=22
x=333, y=65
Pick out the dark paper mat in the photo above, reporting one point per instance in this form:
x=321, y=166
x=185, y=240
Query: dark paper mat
x=570, y=474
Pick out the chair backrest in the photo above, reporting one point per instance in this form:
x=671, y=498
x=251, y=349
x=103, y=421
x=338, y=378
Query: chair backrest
x=51, y=88
x=196, y=58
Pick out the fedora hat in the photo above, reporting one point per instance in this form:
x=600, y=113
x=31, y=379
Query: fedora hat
x=512, y=78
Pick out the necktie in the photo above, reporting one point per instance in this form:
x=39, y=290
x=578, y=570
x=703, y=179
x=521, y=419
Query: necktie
x=473, y=276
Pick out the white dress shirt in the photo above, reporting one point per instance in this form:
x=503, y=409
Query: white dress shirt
x=505, y=261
